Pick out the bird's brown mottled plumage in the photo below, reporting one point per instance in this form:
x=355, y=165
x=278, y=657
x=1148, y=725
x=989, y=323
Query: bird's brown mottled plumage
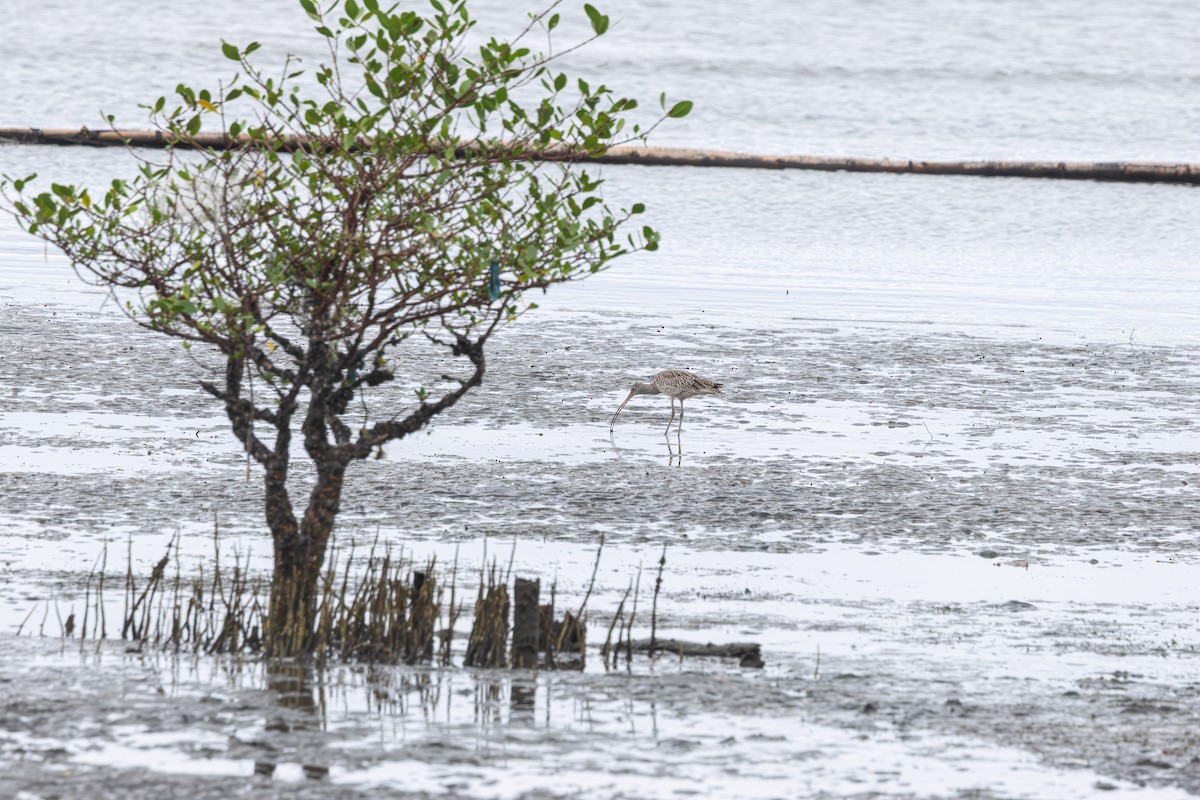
x=678, y=384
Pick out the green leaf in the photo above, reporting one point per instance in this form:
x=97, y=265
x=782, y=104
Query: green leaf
x=230, y=51
x=553, y=23
x=598, y=20
x=352, y=9
x=680, y=109
x=638, y=208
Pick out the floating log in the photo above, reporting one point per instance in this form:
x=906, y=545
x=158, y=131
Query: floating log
x=1123, y=171
x=749, y=654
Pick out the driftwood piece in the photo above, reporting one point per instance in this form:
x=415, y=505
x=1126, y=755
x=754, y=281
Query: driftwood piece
x=569, y=637
x=563, y=641
x=1123, y=171
x=546, y=628
x=749, y=654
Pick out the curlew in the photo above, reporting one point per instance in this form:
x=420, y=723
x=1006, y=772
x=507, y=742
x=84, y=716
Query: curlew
x=677, y=384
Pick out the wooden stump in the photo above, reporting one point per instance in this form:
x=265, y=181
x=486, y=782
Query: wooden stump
x=526, y=619
x=422, y=615
x=488, y=644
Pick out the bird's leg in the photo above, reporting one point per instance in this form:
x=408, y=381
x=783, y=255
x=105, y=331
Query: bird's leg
x=672, y=419
x=681, y=413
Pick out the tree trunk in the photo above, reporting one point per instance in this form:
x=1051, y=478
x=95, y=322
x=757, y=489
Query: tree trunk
x=300, y=547
x=299, y=557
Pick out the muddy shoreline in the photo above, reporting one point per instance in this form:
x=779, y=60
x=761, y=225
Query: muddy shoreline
x=963, y=554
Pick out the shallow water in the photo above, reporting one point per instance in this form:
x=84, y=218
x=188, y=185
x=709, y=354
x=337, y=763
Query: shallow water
x=1063, y=80
x=965, y=548
x=950, y=487
x=993, y=696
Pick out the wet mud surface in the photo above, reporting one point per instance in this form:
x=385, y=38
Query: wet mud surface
x=970, y=560
x=824, y=434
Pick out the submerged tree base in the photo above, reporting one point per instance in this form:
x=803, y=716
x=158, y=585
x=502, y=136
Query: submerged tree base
x=381, y=607
x=376, y=607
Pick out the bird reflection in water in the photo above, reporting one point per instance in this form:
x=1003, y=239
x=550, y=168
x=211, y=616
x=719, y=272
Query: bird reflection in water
x=675, y=459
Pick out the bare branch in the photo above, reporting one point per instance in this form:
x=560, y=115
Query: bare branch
x=241, y=412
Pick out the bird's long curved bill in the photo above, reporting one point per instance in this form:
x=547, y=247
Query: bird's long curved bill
x=613, y=421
